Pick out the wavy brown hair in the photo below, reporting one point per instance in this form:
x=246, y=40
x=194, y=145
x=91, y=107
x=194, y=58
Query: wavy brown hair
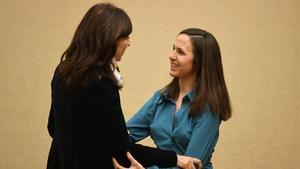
x=211, y=90
x=93, y=46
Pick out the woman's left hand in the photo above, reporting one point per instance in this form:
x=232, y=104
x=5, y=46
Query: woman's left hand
x=134, y=164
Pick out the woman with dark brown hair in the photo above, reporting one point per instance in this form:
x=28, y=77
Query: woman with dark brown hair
x=186, y=114
x=86, y=122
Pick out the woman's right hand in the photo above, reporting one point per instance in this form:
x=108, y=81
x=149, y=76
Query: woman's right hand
x=134, y=164
x=187, y=162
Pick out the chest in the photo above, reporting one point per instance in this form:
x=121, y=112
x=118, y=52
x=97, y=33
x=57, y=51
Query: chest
x=170, y=129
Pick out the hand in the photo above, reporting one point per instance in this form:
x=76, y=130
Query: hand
x=187, y=162
x=134, y=164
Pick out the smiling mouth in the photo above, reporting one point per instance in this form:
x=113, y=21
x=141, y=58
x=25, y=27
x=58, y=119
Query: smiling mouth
x=174, y=66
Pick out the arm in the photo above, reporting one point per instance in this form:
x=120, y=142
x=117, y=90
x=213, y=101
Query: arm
x=104, y=111
x=183, y=162
x=50, y=125
x=106, y=114
x=204, y=137
x=139, y=128
x=138, y=125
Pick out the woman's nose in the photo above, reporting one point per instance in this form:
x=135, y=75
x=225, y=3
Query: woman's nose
x=128, y=42
x=172, y=56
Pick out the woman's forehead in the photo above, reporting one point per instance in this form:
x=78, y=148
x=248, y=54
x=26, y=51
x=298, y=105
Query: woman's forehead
x=183, y=41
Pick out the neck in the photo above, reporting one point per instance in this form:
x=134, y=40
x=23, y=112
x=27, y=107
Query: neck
x=186, y=85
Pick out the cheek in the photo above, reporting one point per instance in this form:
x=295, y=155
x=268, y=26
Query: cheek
x=188, y=65
x=125, y=46
x=123, y=49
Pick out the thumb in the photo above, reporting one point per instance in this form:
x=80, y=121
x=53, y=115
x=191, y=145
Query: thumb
x=115, y=163
x=134, y=162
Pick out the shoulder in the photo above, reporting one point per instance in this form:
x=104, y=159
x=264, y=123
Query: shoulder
x=102, y=87
x=103, y=82
x=207, y=116
x=157, y=94
x=156, y=97
x=153, y=100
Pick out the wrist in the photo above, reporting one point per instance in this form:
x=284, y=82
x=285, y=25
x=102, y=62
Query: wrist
x=179, y=161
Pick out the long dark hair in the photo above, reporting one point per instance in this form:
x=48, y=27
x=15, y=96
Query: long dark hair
x=93, y=46
x=210, y=85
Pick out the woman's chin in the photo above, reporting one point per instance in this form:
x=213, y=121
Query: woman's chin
x=173, y=74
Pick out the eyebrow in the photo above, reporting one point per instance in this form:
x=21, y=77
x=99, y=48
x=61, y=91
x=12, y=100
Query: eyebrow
x=179, y=49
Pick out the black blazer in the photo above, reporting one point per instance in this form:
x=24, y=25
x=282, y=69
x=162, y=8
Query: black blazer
x=88, y=129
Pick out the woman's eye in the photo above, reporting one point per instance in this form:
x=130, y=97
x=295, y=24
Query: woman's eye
x=181, y=52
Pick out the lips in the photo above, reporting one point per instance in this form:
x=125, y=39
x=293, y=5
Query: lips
x=174, y=66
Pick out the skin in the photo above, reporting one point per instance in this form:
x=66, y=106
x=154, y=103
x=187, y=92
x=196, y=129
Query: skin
x=181, y=60
x=134, y=163
x=181, y=66
x=122, y=45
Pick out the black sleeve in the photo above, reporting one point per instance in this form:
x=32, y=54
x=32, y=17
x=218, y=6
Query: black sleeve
x=104, y=104
x=50, y=125
x=149, y=156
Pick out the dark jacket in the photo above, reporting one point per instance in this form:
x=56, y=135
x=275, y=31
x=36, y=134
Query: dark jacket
x=88, y=129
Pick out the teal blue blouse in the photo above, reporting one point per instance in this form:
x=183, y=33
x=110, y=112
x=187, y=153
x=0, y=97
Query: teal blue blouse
x=191, y=136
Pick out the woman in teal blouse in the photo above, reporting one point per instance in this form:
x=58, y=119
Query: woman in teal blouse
x=186, y=114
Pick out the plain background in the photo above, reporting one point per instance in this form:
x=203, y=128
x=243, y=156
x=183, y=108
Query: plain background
x=259, y=42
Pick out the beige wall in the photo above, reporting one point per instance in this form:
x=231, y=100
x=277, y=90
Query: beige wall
x=259, y=41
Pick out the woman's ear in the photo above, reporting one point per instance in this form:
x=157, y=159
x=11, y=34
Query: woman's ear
x=114, y=62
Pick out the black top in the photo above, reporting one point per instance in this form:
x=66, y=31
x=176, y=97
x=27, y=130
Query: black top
x=88, y=129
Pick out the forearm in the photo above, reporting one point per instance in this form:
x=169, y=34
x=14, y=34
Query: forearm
x=149, y=156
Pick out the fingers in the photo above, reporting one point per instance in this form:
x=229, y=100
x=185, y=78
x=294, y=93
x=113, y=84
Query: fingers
x=134, y=163
x=190, y=165
x=197, y=164
x=116, y=164
x=131, y=159
x=187, y=162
